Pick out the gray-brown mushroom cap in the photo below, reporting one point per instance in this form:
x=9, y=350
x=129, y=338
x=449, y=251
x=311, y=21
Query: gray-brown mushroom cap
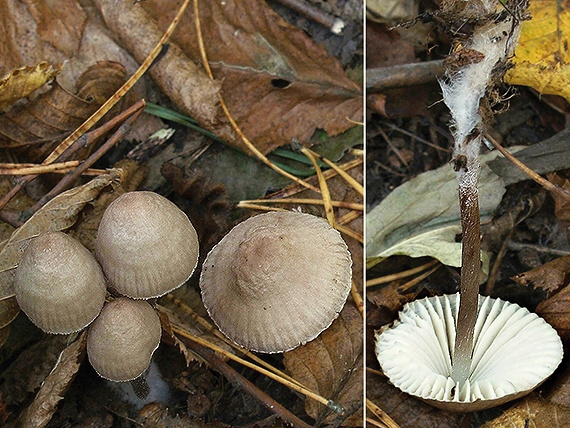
x=276, y=280
x=121, y=341
x=146, y=245
x=58, y=284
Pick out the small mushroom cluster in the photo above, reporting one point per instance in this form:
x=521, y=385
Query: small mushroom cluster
x=146, y=247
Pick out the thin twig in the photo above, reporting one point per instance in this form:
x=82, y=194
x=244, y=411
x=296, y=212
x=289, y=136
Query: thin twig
x=67, y=181
x=381, y=414
x=394, y=276
x=95, y=117
x=335, y=24
x=357, y=297
x=211, y=329
x=238, y=380
x=306, y=392
x=551, y=187
x=403, y=75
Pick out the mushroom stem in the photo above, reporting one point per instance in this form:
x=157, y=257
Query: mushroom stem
x=140, y=387
x=467, y=178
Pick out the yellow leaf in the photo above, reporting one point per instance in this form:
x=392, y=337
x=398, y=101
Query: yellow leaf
x=542, y=58
x=21, y=82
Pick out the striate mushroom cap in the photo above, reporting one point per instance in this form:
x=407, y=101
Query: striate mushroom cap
x=58, y=284
x=514, y=352
x=121, y=341
x=146, y=245
x=276, y=280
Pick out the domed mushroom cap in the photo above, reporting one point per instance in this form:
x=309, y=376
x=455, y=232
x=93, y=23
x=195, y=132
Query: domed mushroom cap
x=514, y=352
x=276, y=280
x=146, y=245
x=121, y=341
x=58, y=284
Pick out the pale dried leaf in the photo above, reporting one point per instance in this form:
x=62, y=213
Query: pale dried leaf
x=59, y=22
x=532, y=411
x=58, y=214
x=40, y=412
x=331, y=365
x=549, y=276
x=278, y=83
x=21, y=82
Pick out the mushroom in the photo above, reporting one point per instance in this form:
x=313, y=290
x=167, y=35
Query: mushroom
x=276, y=280
x=121, y=341
x=514, y=352
x=146, y=245
x=58, y=284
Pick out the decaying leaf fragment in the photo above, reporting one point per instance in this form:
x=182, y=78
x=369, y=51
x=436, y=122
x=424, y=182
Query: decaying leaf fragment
x=331, y=365
x=542, y=57
x=21, y=82
x=40, y=412
x=556, y=311
x=550, y=276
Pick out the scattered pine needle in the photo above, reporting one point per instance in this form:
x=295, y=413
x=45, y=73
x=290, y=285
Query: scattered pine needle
x=329, y=210
x=301, y=201
x=293, y=385
x=230, y=118
x=350, y=180
x=381, y=415
x=551, y=187
x=210, y=328
x=392, y=277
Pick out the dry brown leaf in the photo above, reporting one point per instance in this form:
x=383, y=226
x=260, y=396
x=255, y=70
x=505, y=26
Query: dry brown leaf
x=22, y=81
x=549, y=276
x=556, y=311
x=176, y=75
x=561, y=204
x=59, y=22
x=9, y=309
x=278, y=83
x=40, y=412
x=4, y=334
x=58, y=214
x=331, y=365
x=560, y=392
x=54, y=114
x=534, y=412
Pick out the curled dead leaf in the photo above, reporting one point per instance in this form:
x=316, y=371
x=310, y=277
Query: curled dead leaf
x=21, y=82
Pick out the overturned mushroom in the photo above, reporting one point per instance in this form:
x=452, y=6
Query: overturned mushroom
x=121, y=341
x=58, y=284
x=276, y=280
x=146, y=245
x=514, y=352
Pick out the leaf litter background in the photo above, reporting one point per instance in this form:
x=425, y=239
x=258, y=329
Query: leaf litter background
x=410, y=206
x=280, y=85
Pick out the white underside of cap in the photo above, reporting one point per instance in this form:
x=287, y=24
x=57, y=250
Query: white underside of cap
x=514, y=351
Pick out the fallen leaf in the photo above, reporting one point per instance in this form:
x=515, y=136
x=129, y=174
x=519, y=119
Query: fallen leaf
x=58, y=214
x=549, y=277
x=40, y=412
x=532, y=411
x=556, y=312
x=542, y=56
x=421, y=217
x=331, y=365
x=56, y=113
x=59, y=22
x=561, y=204
x=278, y=83
x=22, y=81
